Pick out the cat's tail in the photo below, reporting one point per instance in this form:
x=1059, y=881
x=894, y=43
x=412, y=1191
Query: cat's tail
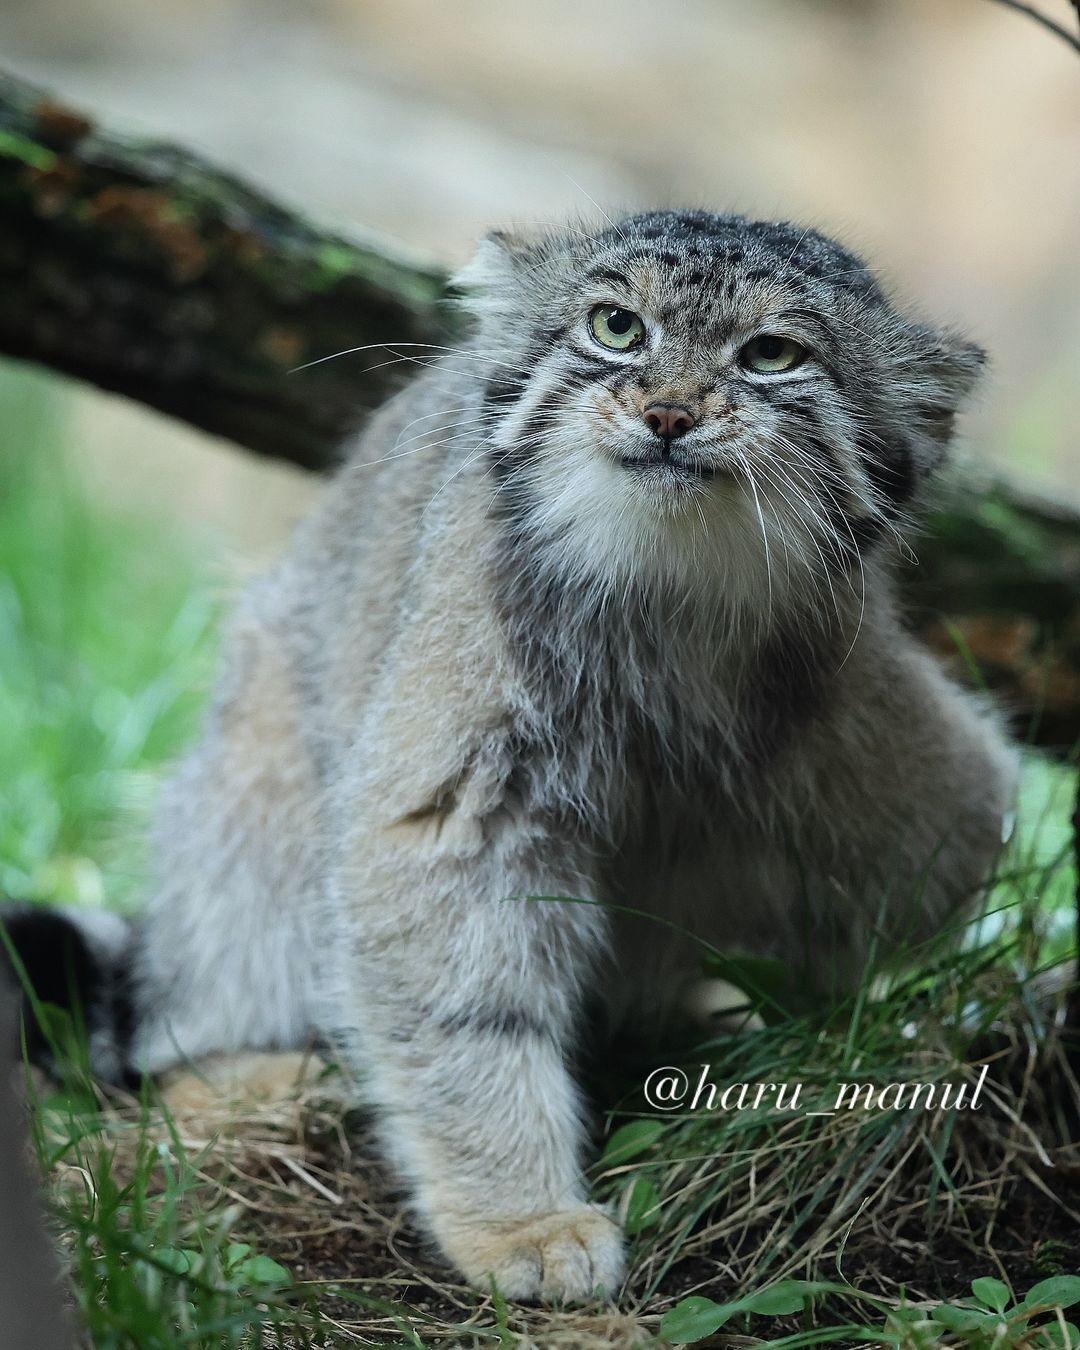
x=79, y=961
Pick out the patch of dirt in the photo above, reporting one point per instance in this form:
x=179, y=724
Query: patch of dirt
x=1024, y=1234
x=1022, y=1230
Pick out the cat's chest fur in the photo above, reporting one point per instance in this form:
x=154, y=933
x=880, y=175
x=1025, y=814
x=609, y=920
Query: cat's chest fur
x=657, y=705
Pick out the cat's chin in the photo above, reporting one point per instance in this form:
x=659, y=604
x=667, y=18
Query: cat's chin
x=672, y=487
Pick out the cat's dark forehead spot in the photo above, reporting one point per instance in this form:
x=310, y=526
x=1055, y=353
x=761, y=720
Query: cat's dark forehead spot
x=608, y=273
x=703, y=244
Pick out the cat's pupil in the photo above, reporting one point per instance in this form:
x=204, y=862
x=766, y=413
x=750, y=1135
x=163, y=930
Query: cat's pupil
x=619, y=321
x=770, y=347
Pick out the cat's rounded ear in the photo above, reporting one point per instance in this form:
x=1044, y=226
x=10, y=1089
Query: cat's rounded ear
x=944, y=370
x=952, y=361
x=505, y=272
x=500, y=258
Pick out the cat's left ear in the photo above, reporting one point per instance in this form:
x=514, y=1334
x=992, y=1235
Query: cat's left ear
x=945, y=369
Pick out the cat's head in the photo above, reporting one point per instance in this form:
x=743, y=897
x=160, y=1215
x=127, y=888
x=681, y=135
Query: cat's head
x=681, y=389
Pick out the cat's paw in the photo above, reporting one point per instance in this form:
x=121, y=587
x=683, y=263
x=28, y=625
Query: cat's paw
x=569, y=1254
x=239, y=1081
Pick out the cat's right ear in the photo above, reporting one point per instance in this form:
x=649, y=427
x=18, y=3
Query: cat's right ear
x=493, y=273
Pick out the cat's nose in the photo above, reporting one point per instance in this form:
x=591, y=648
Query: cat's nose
x=669, y=420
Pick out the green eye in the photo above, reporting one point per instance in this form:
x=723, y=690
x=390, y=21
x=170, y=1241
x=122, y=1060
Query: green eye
x=770, y=354
x=615, y=327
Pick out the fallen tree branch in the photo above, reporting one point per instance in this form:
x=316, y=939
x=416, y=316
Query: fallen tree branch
x=140, y=268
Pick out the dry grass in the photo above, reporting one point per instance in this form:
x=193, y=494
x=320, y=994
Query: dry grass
x=909, y=1206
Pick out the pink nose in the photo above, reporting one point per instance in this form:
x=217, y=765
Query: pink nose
x=669, y=420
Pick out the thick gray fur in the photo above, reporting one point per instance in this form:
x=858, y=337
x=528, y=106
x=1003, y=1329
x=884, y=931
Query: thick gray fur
x=518, y=651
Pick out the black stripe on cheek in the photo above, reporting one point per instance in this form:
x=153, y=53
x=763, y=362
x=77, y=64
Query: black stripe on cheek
x=502, y=391
x=890, y=469
x=508, y=381
x=853, y=534
x=591, y=357
x=537, y=424
x=509, y=506
x=582, y=369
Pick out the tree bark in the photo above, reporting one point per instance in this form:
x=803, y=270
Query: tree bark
x=140, y=268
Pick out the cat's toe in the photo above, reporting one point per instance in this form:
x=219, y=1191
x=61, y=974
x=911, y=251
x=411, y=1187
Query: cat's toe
x=569, y=1254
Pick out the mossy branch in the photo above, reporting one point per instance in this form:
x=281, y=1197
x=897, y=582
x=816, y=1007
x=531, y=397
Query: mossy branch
x=138, y=267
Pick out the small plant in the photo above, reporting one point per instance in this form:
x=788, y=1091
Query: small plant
x=1051, y=1257
x=240, y=1270
x=988, y=1319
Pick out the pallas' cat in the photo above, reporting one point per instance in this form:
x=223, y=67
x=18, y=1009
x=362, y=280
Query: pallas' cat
x=599, y=609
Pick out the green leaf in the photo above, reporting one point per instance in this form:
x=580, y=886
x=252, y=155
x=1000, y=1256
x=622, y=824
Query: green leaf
x=912, y=1327
x=1065, y=1337
x=174, y=1259
x=692, y=1319
x=992, y=1293
x=630, y=1140
x=1059, y=1291
x=778, y=1300
x=261, y=1270
x=235, y=1252
x=643, y=1206
x=961, y=1319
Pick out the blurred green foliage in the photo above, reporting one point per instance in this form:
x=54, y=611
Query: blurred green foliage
x=105, y=640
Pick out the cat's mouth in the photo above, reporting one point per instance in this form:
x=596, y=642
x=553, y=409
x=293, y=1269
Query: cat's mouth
x=678, y=466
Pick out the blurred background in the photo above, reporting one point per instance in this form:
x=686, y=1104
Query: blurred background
x=939, y=137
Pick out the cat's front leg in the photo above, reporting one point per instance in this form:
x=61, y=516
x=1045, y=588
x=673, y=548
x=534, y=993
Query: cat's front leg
x=465, y=999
